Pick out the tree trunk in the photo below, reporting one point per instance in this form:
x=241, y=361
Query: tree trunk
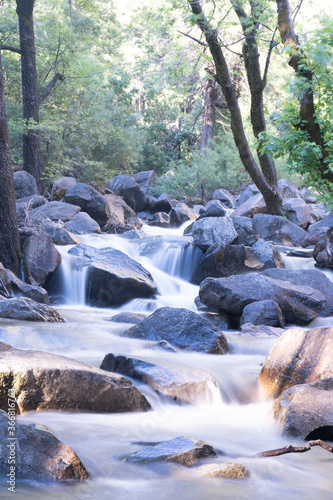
x=209, y=115
x=269, y=191
x=9, y=236
x=298, y=62
x=32, y=154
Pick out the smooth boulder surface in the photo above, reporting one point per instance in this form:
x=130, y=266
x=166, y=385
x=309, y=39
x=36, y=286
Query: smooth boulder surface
x=261, y=331
x=58, y=233
x=268, y=254
x=25, y=309
x=113, y=277
x=298, y=357
x=38, y=454
x=61, y=186
x=210, y=230
x=45, y=381
x=145, y=179
x=182, y=450
x=232, y=470
x=306, y=410
x=126, y=186
x=40, y=258
x=299, y=304
x=224, y=196
x=299, y=212
x=89, y=200
x=54, y=211
x=82, y=223
x=254, y=205
x=264, y=312
x=183, y=329
x=24, y=184
x=214, y=208
x=181, y=384
x=182, y=213
x=323, y=225
x=278, y=230
x=244, y=229
x=36, y=293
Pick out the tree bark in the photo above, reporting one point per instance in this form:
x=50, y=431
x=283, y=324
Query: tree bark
x=298, y=61
x=209, y=115
x=9, y=235
x=32, y=154
x=269, y=191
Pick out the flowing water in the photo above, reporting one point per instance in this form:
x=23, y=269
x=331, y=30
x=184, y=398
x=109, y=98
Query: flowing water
x=232, y=418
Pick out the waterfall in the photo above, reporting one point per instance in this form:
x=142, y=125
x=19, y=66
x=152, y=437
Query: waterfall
x=73, y=279
x=178, y=260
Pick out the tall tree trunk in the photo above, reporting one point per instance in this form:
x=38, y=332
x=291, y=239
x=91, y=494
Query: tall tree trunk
x=32, y=154
x=298, y=62
x=209, y=115
x=9, y=236
x=269, y=191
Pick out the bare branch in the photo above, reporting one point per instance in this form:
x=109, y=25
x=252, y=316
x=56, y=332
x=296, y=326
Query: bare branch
x=295, y=449
x=192, y=38
x=9, y=47
x=50, y=86
x=268, y=59
x=297, y=9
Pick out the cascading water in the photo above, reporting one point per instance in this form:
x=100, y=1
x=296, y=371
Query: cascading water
x=230, y=417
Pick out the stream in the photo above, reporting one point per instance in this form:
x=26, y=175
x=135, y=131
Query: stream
x=232, y=418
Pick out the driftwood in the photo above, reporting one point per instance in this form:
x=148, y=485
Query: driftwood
x=295, y=449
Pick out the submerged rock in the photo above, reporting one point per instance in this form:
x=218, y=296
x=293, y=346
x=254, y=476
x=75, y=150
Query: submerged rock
x=231, y=470
x=25, y=309
x=182, y=450
x=38, y=454
x=128, y=317
x=45, y=381
x=182, y=328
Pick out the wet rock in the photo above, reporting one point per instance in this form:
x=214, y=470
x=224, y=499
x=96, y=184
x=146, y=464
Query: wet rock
x=212, y=230
x=181, y=384
x=298, y=357
x=45, y=381
x=128, y=317
x=299, y=212
x=182, y=213
x=145, y=179
x=288, y=189
x=38, y=454
x=113, y=277
x=161, y=219
x=182, y=450
x=59, y=235
x=232, y=470
x=90, y=201
x=126, y=186
x=278, y=230
x=323, y=251
x=82, y=223
x=163, y=203
x=299, y=304
x=306, y=410
x=254, y=205
x=263, y=312
x=24, y=184
x=40, y=258
x=268, y=254
x=261, y=331
x=248, y=193
x=224, y=196
x=214, y=208
x=61, y=186
x=25, y=309
x=54, y=211
x=243, y=227
x=36, y=293
x=134, y=234
x=183, y=329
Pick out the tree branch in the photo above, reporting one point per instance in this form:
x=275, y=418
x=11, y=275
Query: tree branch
x=50, y=86
x=192, y=38
x=268, y=60
x=9, y=47
x=295, y=449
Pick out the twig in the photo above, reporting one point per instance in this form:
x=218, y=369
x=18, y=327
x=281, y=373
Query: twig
x=295, y=449
x=192, y=38
x=268, y=59
x=9, y=47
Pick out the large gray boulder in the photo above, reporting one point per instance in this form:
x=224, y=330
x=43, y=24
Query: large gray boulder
x=145, y=179
x=61, y=186
x=113, y=277
x=40, y=258
x=82, y=223
x=181, y=384
x=58, y=233
x=299, y=212
x=299, y=304
x=268, y=254
x=248, y=193
x=182, y=213
x=24, y=184
x=288, y=189
x=214, y=208
x=126, y=186
x=90, y=201
x=244, y=229
x=278, y=230
x=45, y=381
x=224, y=196
x=23, y=206
x=323, y=225
x=54, y=211
x=182, y=450
x=306, y=410
x=163, y=203
x=34, y=292
x=254, y=205
x=25, y=309
x=298, y=357
x=263, y=312
x=36, y=454
x=323, y=251
x=183, y=329
x=212, y=230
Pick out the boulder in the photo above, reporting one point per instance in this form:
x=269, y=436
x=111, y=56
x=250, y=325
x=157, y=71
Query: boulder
x=90, y=201
x=243, y=227
x=224, y=196
x=182, y=450
x=278, y=230
x=34, y=292
x=212, y=230
x=45, y=381
x=163, y=203
x=231, y=470
x=180, y=384
x=82, y=223
x=145, y=179
x=25, y=309
x=59, y=235
x=245, y=195
x=183, y=329
x=214, y=208
x=23, y=206
x=5, y=284
x=119, y=211
x=311, y=239
x=298, y=357
x=40, y=258
x=37, y=454
x=254, y=205
x=113, y=277
x=309, y=277
x=161, y=219
x=299, y=212
x=126, y=186
x=299, y=304
x=61, y=186
x=323, y=251
x=308, y=195
x=261, y=331
x=128, y=317
x=288, y=189
x=182, y=213
x=306, y=410
x=24, y=184
x=268, y=254
x=263, y=312
x=54, y=211
x=323, y=225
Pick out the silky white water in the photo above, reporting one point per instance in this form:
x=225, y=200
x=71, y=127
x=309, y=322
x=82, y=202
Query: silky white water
x=232, y=419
